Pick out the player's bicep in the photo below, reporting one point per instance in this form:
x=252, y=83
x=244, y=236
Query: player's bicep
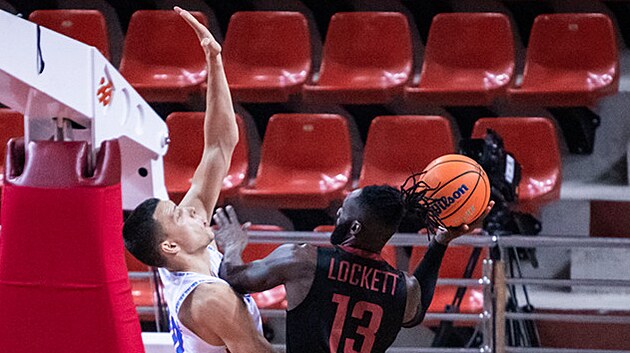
x=285, y=263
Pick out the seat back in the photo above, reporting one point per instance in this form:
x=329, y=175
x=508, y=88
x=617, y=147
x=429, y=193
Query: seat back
x=87, y=26
x=161, y=38
x=459, y=46
x=584, y=43
x=296, y=144
x=399, y=146
x=534, y=143
x=186, y=148
x=367, y=41
x=252, y=39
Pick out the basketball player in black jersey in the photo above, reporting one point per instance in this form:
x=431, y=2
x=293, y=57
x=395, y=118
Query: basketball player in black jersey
x=344, y=298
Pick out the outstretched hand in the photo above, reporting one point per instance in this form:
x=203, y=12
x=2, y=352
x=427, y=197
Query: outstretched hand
x=209, y=44
x=230, y=233
x=456, y=232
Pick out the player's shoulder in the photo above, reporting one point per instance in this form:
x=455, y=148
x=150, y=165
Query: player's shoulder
x=412, y=283
x=213, y=294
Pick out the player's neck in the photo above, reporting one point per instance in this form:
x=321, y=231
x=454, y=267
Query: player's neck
x=197, y=262
x=355, y=243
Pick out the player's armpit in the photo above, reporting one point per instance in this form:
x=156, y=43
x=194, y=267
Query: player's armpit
x=288, y=262
x=219, y=313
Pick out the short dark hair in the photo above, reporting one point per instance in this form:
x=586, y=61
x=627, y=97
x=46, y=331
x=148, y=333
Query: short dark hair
x=383, y=203
x=142, y=234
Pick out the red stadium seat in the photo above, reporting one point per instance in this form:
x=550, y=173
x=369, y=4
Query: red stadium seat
x=87, y=26
x=259, y=66
x=274, y=298
x=534, y=143
x=185, y=150
x=463, y=64
x=367, y=59
x=388, y=253
x=453, y=266
x=399, y=146
x=162, y=58
x=305, y=162
x=572, y=60
x=11, y=125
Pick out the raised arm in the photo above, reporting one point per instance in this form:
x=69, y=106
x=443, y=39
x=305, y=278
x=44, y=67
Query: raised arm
x=421, y=286
x=220, y=128
x=287, y=263
x=235, y=330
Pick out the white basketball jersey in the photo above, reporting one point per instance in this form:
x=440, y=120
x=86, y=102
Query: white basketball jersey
x=177, y=286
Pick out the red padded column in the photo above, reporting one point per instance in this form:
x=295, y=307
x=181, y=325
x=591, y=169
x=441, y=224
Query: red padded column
x=63, y=280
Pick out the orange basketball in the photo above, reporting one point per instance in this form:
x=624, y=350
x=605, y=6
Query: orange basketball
x=462, y=189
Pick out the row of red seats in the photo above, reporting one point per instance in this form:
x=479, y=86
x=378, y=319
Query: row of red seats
x=572, y=59
x=306, y=159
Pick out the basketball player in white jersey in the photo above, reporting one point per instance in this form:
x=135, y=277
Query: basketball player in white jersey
x=206, y=315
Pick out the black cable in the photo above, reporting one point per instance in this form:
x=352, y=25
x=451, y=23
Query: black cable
x=40, y=58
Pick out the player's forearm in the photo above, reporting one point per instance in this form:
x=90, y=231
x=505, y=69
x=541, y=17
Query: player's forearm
x=244, y=277
x=427, y=273
x=220, y=122
x=233, y=270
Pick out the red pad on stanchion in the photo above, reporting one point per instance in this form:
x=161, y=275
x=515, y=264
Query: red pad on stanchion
x=63, y=280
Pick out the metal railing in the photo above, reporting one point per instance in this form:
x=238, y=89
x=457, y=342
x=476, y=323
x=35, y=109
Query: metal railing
x=494, y=283
x=501, y=281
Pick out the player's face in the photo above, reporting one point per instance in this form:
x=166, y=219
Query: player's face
x=184, y=226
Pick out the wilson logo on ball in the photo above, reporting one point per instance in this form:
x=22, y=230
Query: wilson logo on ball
x=440, y=205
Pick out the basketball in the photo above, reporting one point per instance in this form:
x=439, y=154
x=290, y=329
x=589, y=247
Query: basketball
x=462, y=189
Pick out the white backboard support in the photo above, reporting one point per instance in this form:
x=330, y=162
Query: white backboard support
x=46, y=76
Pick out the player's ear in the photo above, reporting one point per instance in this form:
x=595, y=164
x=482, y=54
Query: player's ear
x=169, y=247
x=355, y=227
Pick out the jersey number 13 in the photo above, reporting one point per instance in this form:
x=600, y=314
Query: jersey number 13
x=358, y=312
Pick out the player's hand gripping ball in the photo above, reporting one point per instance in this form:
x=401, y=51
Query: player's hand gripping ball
x=462, y=189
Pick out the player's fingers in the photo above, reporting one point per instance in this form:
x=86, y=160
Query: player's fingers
x=464, y=229
x=232, y=214
x=201, y=30
x=220, y=213
x=246, y=226
x=489, y=208
x=217, y=220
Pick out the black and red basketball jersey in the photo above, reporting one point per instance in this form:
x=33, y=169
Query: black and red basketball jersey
x=356, y=304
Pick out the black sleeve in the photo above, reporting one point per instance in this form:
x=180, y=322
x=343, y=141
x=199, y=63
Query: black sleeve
x=427, y=275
